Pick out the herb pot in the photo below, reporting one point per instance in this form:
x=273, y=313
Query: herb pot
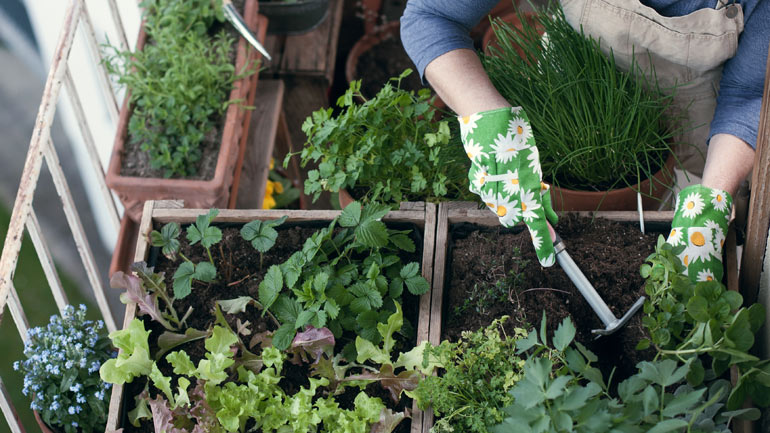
x=293, y=17
x=215, y=192
x=345, y=198
x=512, y=19
x=617, y=199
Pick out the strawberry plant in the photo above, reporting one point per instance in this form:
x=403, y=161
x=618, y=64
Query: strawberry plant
x=389, y=148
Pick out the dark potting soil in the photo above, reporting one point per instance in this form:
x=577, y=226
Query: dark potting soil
x=136, y=162
x=609, y=254
x=239, y=274
x=382, y=62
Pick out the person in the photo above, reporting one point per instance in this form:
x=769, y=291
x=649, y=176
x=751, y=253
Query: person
x=715, y=51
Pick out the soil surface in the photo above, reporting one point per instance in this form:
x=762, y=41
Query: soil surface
x=609, y=254
x=239, y=274
x=136, y=162
x=382, y=62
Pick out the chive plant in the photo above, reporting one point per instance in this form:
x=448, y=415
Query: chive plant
x=597, y=128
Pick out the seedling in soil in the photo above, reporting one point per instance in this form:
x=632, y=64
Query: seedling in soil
x=506, y=287
x=262, y=235
x=202, y=231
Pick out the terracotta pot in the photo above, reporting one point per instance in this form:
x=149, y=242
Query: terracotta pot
x=369, y=40
x=617, y=199
x=43, y=426
x=511, y=18
x=123, y=254
x=504, y=7
x=345, y=198
x=134, y=191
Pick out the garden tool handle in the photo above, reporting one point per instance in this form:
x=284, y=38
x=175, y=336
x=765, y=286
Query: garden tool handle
x=236, y=20
x=611, y=323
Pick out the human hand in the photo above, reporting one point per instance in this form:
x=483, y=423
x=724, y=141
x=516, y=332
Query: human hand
x=506, y=174
x=700, y=224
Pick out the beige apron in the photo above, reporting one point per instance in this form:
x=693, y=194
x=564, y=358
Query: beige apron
x=687, y=51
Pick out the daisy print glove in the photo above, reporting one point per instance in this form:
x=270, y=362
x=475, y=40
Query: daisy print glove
x=700, y=224
x=506, y=174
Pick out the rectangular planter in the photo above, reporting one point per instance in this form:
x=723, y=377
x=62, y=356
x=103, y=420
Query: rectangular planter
x=134, y=191
x=158, y=213
x=452, y=213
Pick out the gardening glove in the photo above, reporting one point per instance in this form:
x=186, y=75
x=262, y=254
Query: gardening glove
x=700, y=224
x=505, y=172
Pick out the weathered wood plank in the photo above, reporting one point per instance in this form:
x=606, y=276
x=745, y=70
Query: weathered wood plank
x=9, y=412
x=40, y=137
x=260, y=144
x=310, y=54
x=759, y=204
x=46, y=260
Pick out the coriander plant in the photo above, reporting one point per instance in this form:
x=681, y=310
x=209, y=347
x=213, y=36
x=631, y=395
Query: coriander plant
x=599, y=128
x=59, y=372
x=389, y=148
x=479, y=370
x=179, y=83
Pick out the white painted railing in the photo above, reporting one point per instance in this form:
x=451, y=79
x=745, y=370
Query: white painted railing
x=41, y=148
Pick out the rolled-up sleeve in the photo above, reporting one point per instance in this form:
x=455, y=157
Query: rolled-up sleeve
x=740, y=91
x=430, y=28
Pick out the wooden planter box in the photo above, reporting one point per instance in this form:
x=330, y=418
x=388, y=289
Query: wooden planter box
x=158, y=213
x=134, y=191
x=464, y=212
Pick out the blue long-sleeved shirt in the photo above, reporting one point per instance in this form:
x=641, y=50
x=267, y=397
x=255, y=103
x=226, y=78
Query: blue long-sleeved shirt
x=430, y=28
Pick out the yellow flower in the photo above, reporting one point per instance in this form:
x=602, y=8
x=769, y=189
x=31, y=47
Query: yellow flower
x=268, y=202
x=278, y=187
x=272, y=163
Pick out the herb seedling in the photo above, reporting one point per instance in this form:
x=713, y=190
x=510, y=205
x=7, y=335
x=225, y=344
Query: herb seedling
x=262, y=235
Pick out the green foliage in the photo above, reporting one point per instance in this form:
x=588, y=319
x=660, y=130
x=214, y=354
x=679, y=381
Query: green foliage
x=388, y=146
x=168, y=239
x=346, y=281
x=179, y=83
x=703, y=322
x=561, y=392
x=479, y=370
x=60, y=361
x=262, y=234
x=134, y=357
x=601, y=128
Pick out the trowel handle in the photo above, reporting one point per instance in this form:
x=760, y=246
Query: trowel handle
x=557, y=239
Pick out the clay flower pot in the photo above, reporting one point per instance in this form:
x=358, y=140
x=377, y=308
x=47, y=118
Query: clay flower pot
x=134, y=191
x=43, y=426
x=617, y=199
x=369, y=41
x=490, y=40
x=292, y=18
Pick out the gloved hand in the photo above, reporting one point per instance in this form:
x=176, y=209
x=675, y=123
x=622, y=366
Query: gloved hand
x=700, y=223
x=506, y=173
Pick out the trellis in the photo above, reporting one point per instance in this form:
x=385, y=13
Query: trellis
x=41, y=148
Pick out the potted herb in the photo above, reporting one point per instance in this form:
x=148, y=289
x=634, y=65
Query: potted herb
x=386, y=149
x=302, y=305
x=59, y=373
x=291, y=17
x=185, y=114
x=602, y=129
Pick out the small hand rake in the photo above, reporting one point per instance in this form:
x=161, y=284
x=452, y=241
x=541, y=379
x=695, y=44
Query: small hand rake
x=611, y=323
